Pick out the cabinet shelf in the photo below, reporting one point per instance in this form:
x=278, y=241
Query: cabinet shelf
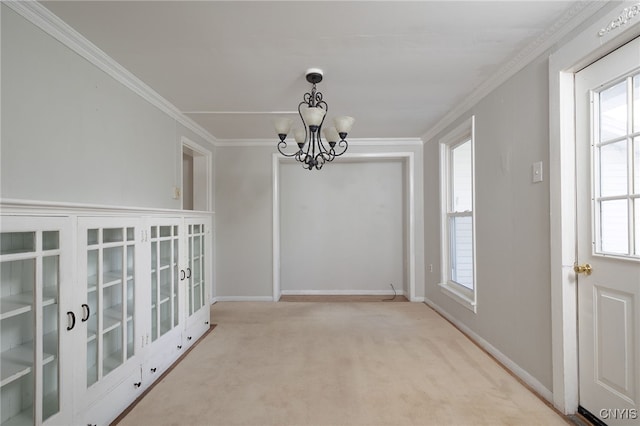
x=112, y=318
x=21, y=303
x=21, y=419
x=109, y=279
x=18, y=361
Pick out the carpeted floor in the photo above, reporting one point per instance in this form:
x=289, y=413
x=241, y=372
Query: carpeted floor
x=337, y=364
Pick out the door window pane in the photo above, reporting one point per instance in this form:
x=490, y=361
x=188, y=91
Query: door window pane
x=461, y=195
x=613, y=112
x=637, y=222
x=636, y=166
x=614, y=227
x=613, y=169
x=636, y=103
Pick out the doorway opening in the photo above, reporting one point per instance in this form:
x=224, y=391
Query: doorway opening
x=196, y=175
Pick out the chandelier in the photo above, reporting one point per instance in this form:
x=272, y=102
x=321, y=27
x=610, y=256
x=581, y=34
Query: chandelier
x=313, y=151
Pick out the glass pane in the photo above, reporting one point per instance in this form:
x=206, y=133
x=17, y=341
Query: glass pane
x=50, y=337
x=154, y=232
x=112, y=235
x=461, y=180
x=130, y=234
x=613, y=169
x=92, y=236
x=50, y=240
x=112, y=265
x=613, y=112
x=17, y=242
x=130, y=302
x=130, y=322
x=92, y=302
x=636, y=103
x=462, y=251
x=175, y=280
x=636, y=166
x=637, y=224
x=614, y=227
x=17, y=279
x=165, y=231
x=112, y=350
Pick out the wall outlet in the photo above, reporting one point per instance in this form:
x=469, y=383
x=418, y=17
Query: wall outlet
x=176, y=193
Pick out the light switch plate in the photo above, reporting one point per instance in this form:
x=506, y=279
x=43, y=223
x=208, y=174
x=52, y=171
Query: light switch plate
x=536, y=175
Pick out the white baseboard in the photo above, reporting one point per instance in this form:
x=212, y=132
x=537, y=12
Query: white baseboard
x=341, y=292
x=502, y=358
x=244, y=299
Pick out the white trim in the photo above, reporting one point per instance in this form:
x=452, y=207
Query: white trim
x=244, y=299
x=196, y=147
x=275, y=165
x=17, y=206
x=272, y=143
x=499, y=356
x=341, y=292
x=583, y=49
x=578, y=13
x=464, y=132
x=48, y=22
x=411, y=172
x=458, y=296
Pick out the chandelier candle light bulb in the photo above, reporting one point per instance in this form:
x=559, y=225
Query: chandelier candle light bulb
x=313, y=152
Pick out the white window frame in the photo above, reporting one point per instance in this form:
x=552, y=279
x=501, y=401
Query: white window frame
x=461, y=134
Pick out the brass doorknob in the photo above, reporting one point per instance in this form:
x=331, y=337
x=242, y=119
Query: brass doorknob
x=583, y=269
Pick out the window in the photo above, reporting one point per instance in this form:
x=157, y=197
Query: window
x=458, y=222
x=616, y=153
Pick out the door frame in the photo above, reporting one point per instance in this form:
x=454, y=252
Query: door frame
x=617, y=23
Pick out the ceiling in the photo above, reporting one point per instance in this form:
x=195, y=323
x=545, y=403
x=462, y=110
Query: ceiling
x=232, y=66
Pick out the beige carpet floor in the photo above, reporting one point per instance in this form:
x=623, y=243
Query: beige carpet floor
x=337, y=364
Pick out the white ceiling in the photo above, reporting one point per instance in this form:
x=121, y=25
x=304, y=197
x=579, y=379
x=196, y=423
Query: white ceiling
x=397, y=67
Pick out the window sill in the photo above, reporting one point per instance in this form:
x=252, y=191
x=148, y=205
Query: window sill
x=458, y=296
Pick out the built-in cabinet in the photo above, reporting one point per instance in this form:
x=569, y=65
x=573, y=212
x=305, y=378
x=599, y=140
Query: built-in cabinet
x=34, y=278
x=94, y=309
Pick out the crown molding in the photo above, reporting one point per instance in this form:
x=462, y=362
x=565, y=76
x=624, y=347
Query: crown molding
x=51, y=24
x=271, y=143
x=569, y=21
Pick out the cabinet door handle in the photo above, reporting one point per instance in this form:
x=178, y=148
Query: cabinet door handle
x=137, y=384
x=189, y=338
x=87, y=311
x=73, y=320
x=189, y=275
x=153, y=370
x=179, y=346
x=183, y=275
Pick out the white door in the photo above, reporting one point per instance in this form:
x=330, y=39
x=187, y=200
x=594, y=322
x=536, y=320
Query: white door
x=608, y=218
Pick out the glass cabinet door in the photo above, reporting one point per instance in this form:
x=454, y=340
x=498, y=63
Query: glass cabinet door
x=109, y=310
x=29, y=323
x=196, y=239
x=165, y=241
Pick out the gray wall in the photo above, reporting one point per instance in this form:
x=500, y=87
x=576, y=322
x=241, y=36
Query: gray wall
x=512, y=220
x=73, y=134
x=342, y=229
x=244, y=219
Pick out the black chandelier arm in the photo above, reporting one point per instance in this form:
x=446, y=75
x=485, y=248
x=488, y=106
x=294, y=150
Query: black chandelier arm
x=327, y=153
x=283, y=145
x=342, y=144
